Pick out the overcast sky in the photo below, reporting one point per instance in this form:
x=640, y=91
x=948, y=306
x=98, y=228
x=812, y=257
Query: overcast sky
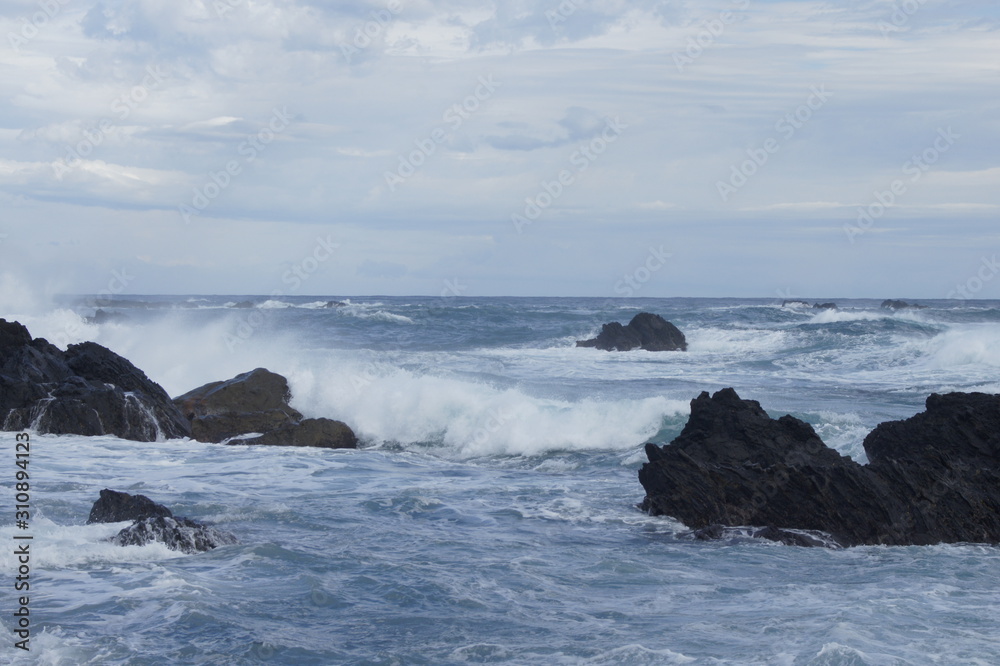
x=734, y=148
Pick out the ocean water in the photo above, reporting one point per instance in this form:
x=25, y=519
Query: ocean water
x=489, y=517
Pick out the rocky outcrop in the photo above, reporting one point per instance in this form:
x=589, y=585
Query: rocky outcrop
x=891, y=304
x=646, y=331
x=86, y=390
x=824, y=306
x=115, y=507
x=256, y=403
x=154, y=522
x=933, y=478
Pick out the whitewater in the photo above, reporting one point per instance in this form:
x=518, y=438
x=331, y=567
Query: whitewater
x=489, y=515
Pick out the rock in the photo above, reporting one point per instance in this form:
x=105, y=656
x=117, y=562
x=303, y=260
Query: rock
x=257, y=402
x=114, y=507
x=335, y=304
x=103, y=317
x=891, y=304
x=933, y=478
x=183, y=534
x=154, y=522
x=646, y=331
x=794, y=304
x=324, y=433
x=86, y=390
x=825, y=306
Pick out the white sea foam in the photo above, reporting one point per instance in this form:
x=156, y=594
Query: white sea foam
x=388, y=404
x=965, y=345
x=739, y=341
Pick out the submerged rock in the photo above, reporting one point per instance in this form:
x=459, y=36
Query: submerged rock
x=933, y=478
x=824, y=306
x=891, y=304
x=646, y=331
x=86, y=390
x=256, y=402
x=154, y=522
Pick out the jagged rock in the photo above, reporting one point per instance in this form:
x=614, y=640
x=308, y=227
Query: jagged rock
x=86, y=390
x=183, y=534
x=335, y=304
x=114, y=507
x=646, y=331
x=794, y=304
x=154, y=522
x=933, y=478
x=257, y=402
x=825, y=306
x=891, y=304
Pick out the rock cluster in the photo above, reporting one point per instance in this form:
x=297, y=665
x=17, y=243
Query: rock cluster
x=154, y=522
x=932, y=478
x=86, y=390
x=646, y=331
x=255, y=403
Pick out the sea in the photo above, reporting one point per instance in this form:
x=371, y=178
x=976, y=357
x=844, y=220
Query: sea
x=489, y=515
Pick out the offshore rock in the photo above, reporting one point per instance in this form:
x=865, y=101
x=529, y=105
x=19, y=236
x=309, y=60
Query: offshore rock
x=256, y=402
x=114, y=507
x=154, y=522
x=932, y=478
x=646, y=331
x=86, y=390
x=891, y=304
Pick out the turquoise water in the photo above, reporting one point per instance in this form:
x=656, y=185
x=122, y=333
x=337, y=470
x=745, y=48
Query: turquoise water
x=490, y=515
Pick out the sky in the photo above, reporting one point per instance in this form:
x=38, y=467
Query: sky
x=488, y=148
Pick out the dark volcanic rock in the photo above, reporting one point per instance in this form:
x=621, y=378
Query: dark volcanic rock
x=154, y=522
x=891, y=304
x=257, y=402
x=646, y=331
x=825, y=306
x=794, y=304
x=86, y=390
x=324, y=433
x=933, y=478
x=183, y=534
x=114, y=507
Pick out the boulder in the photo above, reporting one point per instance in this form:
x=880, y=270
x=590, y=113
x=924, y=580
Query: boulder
x=115, y=507
x=86, y=390
x=154, y=522
x=646, y=331
x=256, y=402
x=933, y=478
